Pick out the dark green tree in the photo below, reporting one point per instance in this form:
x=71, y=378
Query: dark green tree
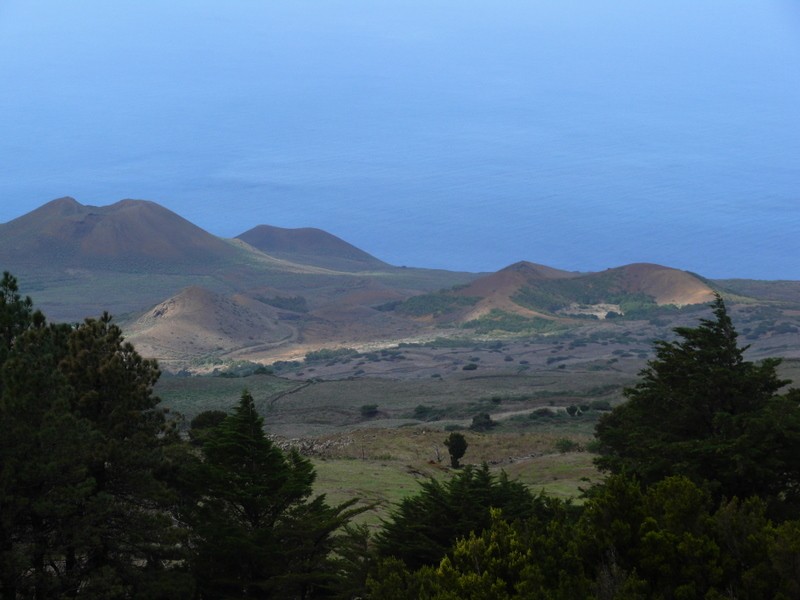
x=42, y=467
x=422, y=527
x=457, y=446
x=702, y=411
x=127, y=541
x=16, y=314
x=204, y=423
x=82, y=509
x=257, y=532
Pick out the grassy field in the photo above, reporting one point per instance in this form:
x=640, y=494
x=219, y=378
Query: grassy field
x=383, y=466
x=380, y=457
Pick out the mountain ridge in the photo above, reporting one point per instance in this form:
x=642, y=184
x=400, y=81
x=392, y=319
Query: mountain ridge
x=133, y=233
x=188, y=295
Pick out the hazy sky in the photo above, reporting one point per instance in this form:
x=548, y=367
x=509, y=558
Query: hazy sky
x=456, y=134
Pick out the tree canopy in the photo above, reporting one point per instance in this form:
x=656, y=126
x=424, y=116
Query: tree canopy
x=423, y=526
x=456, y=446
x=703, y=411
x=256, y=529
x=84, y=510
x=101, y=499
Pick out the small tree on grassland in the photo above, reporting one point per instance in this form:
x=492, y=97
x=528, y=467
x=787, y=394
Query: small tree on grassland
x=457, y=446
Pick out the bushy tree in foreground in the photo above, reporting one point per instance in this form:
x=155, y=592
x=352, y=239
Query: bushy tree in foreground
x=702, y=411
x=665, y=541
x=422, y=527
x=100, y=499
x=257, y=531
x=83, y=511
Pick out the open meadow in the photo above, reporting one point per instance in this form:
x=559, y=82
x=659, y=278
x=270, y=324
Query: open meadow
x=374, y=422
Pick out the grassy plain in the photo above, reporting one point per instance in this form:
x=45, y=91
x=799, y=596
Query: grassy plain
x=422, y=393
x=381, y=458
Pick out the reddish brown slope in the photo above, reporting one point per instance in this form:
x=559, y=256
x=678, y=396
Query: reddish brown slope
x=507, y=281
x=310, y=246
x=664, y=284
x=129, y=233
x=497, y=290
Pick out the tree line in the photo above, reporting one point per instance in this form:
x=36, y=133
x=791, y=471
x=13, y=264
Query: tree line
x=102, y=497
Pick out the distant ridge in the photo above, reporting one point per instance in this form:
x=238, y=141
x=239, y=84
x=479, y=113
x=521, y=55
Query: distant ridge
x=506, y=281
x=534, y=291
x=128, y=234
x=275, y=293
x=497, y=290
x=311, y=246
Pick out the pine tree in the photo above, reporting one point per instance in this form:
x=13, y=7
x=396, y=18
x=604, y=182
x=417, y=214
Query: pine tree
x=126, y=541
x=703, y=411
x=257, y=533
x=83, y=511
x=42, y=465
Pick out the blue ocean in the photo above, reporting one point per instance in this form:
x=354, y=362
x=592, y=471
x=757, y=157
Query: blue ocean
x=460, y=135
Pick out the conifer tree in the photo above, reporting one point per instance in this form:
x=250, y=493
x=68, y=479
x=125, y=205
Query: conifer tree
x=126, y=540
x=703, y=411
x=42, y=466
x=257, y=533
x=422, y=527
x=83, y=512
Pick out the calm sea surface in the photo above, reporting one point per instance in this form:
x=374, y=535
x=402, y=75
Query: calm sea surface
x=461, y=135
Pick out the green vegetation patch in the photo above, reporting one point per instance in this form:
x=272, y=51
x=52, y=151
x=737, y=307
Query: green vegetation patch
x=328, y=354
x=604, y=288
x=434, y=304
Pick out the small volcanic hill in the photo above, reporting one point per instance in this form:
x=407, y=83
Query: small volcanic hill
x=507, y=281
x=621, y=289
x=497, y=289
x=310, y=246
x=535, y=291
x=664, y=285
x=197, y=323
x=130, y=234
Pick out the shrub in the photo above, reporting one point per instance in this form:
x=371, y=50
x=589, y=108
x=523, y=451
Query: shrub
x=542, y=413
x=482, y=422
x=600, y=405
x=328, y=354
x=564, y=445
x=369, y=410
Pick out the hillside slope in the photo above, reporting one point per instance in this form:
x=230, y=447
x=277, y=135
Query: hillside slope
x=310, y=246
x=130, y=235
x=529, y=291
x=198, y=324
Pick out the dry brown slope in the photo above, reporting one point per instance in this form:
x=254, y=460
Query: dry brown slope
x=664, y=284
x=197, y=323
x=497, y=289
